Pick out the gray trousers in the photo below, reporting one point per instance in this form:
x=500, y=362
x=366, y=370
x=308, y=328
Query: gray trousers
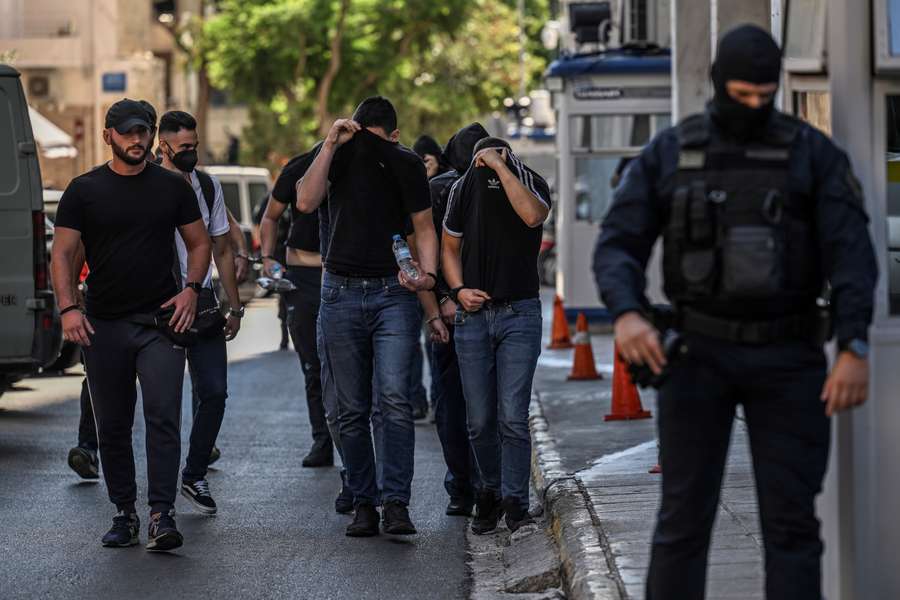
x=121, y=352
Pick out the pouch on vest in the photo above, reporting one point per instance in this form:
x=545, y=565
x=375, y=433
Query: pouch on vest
x=699, y=259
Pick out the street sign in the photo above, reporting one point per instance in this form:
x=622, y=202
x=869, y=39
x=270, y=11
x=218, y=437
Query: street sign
x=114, y=82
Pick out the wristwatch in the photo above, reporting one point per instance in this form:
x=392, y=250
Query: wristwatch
x=194, y=285
x=237, y=313
x=856, y=346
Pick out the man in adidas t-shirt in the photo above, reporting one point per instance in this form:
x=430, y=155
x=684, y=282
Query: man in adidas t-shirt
x=498, y=208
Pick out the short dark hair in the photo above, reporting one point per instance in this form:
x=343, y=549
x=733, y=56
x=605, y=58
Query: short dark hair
x=490, y=142
x=376, y=111
x=176, y=120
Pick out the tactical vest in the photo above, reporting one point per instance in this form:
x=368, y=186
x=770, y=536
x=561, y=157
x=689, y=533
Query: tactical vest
x=737, y=240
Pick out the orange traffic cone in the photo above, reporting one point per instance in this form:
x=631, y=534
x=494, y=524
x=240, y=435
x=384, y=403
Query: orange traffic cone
x=559, y=334
x=626, y=402
x=583, y=366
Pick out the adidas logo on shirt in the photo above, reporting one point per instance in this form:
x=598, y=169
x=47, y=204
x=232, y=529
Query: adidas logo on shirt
x=493, y=184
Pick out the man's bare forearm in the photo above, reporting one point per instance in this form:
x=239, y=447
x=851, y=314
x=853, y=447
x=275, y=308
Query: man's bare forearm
x=451, y=263
x=429, y=303
x=529, y=208
x=61, y=269
x=268, y=226
x=311, y=189
x=238, y=242
x=224, y=258
x=426, y=241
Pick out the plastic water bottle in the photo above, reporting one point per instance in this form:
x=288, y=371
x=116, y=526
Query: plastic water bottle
x=404, y=257
x=277, y=271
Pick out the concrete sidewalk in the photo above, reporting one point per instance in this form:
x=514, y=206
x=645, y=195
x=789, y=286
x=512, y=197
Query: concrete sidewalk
x=601, y=500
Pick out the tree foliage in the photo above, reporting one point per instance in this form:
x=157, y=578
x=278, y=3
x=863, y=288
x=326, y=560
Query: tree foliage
x=299, y=64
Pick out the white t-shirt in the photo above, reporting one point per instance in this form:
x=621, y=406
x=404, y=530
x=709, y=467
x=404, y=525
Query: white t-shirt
x=216, y=224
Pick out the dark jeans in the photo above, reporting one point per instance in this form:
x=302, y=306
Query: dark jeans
x=450, y=418
x=121, y=351
x=497, y=349
x=302, y=316
x=329, y=399
x=87, y=429
x=369, y=327
x=778, y=386
x=208, y=368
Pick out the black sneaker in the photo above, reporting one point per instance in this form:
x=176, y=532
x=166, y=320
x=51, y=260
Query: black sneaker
x=488, y=510
x=162, y=534
x=516, y=516
x=214, y=455
x=365, y=522
x=124, y=531
x=84, y=462
x=343, y=504
x=395, y=519
x=459, y=507
x=320, y=456
x=197, y=493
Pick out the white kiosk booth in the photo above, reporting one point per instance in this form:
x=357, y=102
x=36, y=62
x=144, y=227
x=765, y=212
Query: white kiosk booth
x=608, y=106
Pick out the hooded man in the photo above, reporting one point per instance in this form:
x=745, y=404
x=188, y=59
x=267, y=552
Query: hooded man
x=758, y=211
x=449, y=403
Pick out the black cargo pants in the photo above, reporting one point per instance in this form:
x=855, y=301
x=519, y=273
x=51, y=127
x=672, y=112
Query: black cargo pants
x=779, y=386
x=302, y=314
x=120, y=352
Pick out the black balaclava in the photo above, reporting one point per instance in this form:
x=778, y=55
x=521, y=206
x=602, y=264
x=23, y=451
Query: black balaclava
x=746, y=53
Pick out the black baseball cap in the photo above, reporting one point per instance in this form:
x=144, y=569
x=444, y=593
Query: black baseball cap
x=127, y=113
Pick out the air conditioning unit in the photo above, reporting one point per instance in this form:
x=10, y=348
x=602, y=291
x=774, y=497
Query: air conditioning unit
x=38, y=86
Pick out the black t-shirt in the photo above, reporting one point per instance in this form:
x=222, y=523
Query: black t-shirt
x=499, y=252
x=304, y=231
x=127, y=225
x=375, y=186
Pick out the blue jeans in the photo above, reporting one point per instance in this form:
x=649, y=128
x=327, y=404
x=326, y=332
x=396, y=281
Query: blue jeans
x=329, y=401
x=497, y=349
x=369, y=329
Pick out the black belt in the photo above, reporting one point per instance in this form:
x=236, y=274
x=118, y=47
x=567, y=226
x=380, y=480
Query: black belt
x=807, y=326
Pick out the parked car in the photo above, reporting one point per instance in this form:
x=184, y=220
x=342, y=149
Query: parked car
x=32, y=331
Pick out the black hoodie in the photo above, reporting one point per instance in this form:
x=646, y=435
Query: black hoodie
x=457, y=155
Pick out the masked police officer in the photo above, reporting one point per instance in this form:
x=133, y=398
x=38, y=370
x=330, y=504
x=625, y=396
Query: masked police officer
x=759, y=213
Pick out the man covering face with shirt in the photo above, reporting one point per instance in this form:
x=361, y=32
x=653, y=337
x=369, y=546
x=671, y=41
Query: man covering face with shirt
x=498, y=208
x=369, y=315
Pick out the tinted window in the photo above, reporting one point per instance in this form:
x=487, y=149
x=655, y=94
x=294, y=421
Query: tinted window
x=258, y=193
x=232, y=195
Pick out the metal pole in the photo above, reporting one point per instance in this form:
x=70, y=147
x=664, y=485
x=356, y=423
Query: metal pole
x=522, y=40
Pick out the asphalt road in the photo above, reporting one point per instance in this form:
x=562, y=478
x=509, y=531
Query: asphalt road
x=276, y=535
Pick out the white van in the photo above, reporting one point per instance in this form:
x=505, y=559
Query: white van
x=30, y=330
x=243, y=188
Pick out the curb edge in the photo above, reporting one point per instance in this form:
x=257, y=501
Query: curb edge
x=587, y=565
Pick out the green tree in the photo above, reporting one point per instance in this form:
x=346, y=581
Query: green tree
x=301, y=63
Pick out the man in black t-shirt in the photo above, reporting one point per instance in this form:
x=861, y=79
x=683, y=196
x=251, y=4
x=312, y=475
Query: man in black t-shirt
x=124, y=213
x=370, y=321
x=304, y=269
x=498, y=208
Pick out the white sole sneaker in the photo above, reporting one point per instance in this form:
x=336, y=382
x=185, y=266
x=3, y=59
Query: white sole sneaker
x=206, y=510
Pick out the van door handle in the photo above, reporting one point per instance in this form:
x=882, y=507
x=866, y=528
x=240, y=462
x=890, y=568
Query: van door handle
x=27, y=148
